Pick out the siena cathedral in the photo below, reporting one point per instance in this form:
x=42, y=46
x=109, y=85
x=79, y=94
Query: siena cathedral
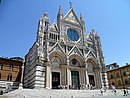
x=64, y=56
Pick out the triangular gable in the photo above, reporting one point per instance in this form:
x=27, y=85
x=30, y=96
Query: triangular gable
x=71, y=17
x=75, y=50
x=57, y=47
x=54, y=27
x=90, y=53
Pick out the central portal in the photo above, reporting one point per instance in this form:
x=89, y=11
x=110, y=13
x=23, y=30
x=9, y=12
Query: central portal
x=75, y=79
x=55, y=80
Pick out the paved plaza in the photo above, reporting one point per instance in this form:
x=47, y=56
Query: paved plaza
x=43, y=93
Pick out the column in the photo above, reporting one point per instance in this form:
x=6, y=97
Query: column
x=63, y=75
x=81, y=76
x=48, y=76
x=97, y=79
x=101, y=80
x=21, y=80
x=68, y=78
x=86, y=76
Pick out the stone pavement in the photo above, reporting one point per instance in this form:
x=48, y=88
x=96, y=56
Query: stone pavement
x=45, y=93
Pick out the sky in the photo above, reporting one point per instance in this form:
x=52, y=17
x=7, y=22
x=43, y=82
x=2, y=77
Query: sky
x=110, y=18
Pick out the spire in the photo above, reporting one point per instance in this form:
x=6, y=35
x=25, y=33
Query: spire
x=81, y=18
x=59, y=17
x=82, y=21
x=93, y=30
x=70, y=5
x=46, y=14
x=60, y=11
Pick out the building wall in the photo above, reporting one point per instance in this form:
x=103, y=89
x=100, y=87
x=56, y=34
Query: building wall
x=119, y=77
x=10, y=72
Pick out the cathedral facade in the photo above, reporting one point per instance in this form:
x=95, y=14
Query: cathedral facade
x=63, y=55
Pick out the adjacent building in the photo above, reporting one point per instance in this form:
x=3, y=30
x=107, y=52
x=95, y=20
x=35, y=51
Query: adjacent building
x=64, y=55
x=119, y=76
x=10, y=72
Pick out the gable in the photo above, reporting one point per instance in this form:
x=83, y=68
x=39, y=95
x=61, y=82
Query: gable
x=54, y=27
x=57, y=47
x=75, y=50
x=91, y=54
x=71, y=17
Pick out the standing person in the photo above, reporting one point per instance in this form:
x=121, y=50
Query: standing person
x=124, y=90
x=105, y=89
x=114, y=91
x=101, y=90
x=127, y=92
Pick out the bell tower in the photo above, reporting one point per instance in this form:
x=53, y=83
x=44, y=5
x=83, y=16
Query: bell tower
x=42, y=35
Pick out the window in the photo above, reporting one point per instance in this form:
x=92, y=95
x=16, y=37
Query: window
x=117, y=74
x=50, y=35
x=9, y=77
x=74, y=62
x=1, y=66
x=54, y=36
x=58, y=37
x=72, y=34
x=111, y=76
x=11, y=67
x=124, y=73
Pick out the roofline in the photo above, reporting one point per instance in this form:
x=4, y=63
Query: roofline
x=119, y=67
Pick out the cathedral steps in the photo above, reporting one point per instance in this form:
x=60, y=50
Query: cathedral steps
x=45, y=93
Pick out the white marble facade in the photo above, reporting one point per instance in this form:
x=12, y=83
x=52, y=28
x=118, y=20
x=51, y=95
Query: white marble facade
x=63, y=55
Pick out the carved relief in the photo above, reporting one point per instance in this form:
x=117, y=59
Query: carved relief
x=90, y=67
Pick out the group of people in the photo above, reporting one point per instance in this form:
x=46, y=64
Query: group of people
x=125, y=91
x=83, y=87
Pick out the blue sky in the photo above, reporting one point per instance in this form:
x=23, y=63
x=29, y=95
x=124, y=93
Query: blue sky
x=110, y=18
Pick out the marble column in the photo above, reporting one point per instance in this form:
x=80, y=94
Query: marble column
x=68, y=77
x=101, y=80
x=83, y=78
x=86, y=77
x=63, y=75
x=48, y=75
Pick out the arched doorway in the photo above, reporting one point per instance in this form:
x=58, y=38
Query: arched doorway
x=75, y=74
x=77, y=70
x=56, y=59
x=91, y=74
x=94, y=74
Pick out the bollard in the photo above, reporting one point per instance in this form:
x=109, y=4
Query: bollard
x=72, y=97
x=50, y=97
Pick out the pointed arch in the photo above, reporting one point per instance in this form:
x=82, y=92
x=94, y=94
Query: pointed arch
x=59, y=55
x=77, y=57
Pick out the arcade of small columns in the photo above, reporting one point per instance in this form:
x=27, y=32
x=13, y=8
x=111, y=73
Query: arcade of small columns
x=65, y=71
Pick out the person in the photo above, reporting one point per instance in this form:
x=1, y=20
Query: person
x=124, y=90
x=127, y=92
x=101, y=90
x=114, y=91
